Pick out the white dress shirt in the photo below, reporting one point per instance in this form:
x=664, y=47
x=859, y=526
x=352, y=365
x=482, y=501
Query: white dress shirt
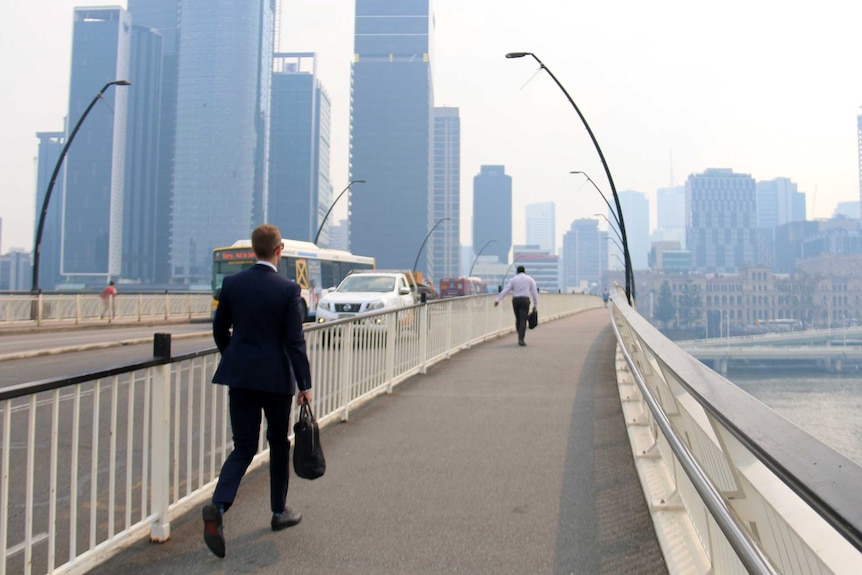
x=521, y=285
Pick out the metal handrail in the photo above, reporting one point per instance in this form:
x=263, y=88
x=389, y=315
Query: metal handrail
x=746, y=549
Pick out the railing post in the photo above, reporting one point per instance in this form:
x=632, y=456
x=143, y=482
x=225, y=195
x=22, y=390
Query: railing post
x=167, y=305
x=423, y=339
x=391, y=341
x=77, y=309
x=160, y=527
x=140, y=306
x=346, y=379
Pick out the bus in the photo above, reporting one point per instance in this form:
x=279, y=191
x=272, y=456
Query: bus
x=314, y=269
x=463, y=286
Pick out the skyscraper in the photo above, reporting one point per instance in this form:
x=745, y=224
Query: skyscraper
x=444, y=243
x=779, y=202
x=141, y=208
x=50, y=147
x=162, y=16
x=492, y=211
x=670, y=214
x=221, y=155
x=585, y=256
x=541, y=228
x=92, y=228
x=635, y=208
x=721, y=220
x=391, y=122
x=300, y=192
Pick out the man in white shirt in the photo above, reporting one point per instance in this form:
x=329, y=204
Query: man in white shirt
x=522, y=288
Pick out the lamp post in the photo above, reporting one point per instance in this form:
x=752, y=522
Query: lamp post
x=37, y=248
x=332, y=205
x=629, y=276
x=612, y=228
x=428, y=235
x=488, y=243
x=599, y=190
x=624, y=248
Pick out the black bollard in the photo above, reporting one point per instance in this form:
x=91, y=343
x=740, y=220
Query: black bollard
x=162, y=345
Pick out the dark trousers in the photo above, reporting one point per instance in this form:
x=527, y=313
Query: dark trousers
x=245, y=409
x=521, y=307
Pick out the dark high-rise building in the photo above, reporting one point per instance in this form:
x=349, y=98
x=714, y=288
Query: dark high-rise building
x=50, y=147
x=142, y=212
x=299, y=189
x=162, y=16
x=221, y=140
x=92, y=229
x=721, y=220
x=492, y=211
x=391, y=123
x=443, y=245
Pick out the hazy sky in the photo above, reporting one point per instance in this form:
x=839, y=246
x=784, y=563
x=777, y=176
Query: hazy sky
x=669, y=87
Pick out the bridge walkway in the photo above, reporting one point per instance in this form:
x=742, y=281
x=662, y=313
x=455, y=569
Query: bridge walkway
x=500, y=460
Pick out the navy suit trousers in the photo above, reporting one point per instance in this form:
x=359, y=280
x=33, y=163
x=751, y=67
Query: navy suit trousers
x=246, y=406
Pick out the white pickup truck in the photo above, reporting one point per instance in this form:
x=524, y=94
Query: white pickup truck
x=368, y=291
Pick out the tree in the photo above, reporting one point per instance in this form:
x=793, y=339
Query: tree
x=665, y=309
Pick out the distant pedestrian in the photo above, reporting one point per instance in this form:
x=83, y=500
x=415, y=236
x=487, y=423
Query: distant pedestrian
x=108, y=295
x=522, y=287
x=258, y=330
x=605, y=297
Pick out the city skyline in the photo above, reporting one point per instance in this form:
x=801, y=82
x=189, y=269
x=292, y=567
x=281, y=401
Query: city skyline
x=655, y=98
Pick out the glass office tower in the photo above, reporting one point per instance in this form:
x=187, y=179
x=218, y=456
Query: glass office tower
x=92, y=229
x=299, y=187
x=444, y=258
x=221, y=142
x=141, y=207
x=492, y=212
x=721, y=220
x=162, y=16
x=391, y=123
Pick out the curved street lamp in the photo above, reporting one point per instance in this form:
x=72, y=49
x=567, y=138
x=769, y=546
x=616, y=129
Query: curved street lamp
x=332, y=205
x=37, y=248
x=629, y=275
x=612, y=228
x=428, y=235
x=590, y=180
x=488, y=243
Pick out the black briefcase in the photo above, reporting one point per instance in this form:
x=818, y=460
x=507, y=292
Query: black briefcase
x=533, y=318
x=308, y=460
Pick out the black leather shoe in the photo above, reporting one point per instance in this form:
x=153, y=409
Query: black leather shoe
x=213, y=534
x=285, y=520
x=521, y=342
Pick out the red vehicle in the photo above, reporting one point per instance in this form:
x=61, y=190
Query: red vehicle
x=463, y=286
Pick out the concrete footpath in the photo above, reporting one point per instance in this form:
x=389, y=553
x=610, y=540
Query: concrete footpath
x=503, y=459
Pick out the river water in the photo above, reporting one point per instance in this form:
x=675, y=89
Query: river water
x=829, y=407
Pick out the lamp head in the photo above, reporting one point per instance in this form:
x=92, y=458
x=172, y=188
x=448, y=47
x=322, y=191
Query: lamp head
x=358, y=182
x=517, y=54
x=122, y=83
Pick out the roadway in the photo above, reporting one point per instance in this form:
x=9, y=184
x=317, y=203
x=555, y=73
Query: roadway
x=47, y=353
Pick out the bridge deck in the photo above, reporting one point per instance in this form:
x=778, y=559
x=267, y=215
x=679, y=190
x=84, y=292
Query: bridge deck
x=501, y=460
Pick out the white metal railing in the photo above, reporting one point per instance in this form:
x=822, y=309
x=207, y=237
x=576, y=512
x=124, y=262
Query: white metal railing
x=732, y=486
x=76, y=309
x=95, y=462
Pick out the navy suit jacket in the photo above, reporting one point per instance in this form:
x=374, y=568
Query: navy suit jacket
x=266, y=351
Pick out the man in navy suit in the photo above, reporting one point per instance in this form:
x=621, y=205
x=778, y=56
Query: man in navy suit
x=263, y=362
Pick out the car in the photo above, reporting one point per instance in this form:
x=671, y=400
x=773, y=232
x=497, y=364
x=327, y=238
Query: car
x=364, y=293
